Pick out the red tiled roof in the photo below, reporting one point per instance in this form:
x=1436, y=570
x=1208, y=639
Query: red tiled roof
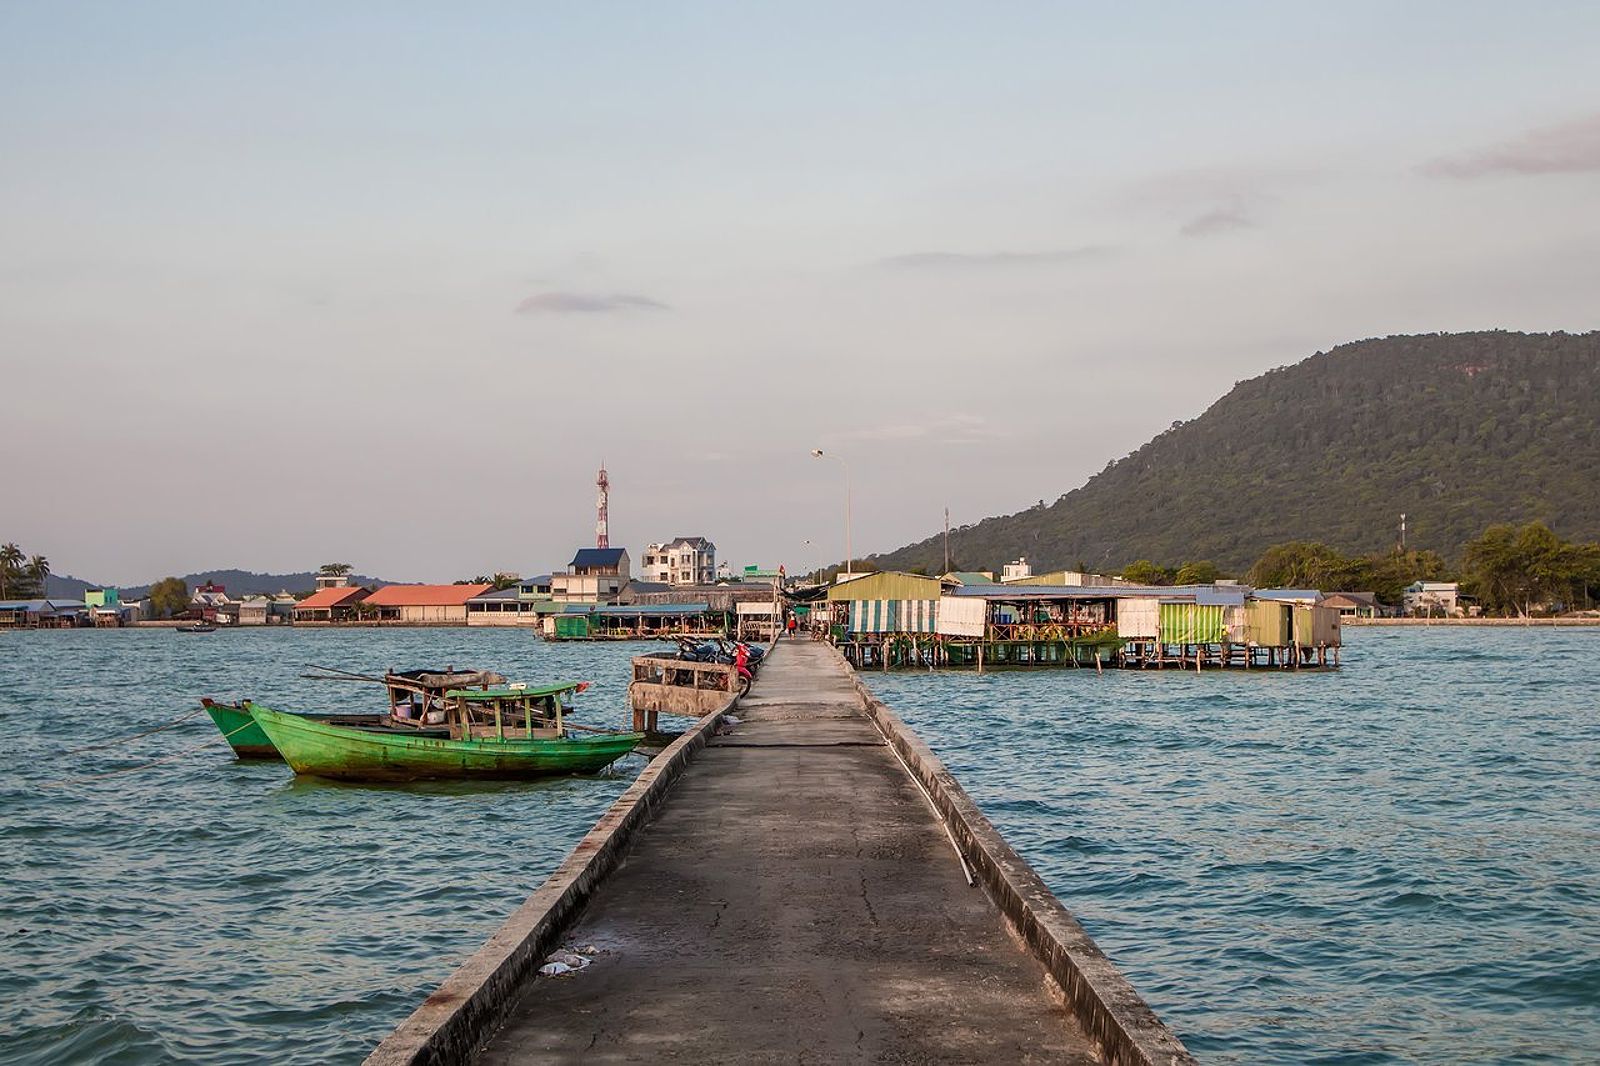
x=334, y=597
x=425, y=595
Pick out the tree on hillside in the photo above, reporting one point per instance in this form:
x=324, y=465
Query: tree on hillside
x=1512, y=569
x=1301, y=564
x=11, y=557
x=1145, y=572
x=169, y=597
x=38, y=571
x=1203, y=572
x=335, y=569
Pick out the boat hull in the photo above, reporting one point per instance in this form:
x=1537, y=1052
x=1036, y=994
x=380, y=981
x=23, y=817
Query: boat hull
x=249, y=741
x=324, y=749
x=245, y=737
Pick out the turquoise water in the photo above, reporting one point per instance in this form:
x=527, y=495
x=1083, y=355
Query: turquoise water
x=1396, y=862
x=209, y=911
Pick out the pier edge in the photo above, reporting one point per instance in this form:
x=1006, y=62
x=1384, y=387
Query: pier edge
x=452, y=1023
x=1106, y=1004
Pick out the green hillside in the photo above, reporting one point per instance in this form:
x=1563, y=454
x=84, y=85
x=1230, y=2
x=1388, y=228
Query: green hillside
x=1456, y=430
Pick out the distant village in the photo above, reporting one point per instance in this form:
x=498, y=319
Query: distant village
x=681, y=588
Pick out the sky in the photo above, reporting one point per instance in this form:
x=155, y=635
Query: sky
x=290, y=283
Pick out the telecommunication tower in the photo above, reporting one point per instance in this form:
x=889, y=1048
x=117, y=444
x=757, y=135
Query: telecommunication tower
x=602, y=538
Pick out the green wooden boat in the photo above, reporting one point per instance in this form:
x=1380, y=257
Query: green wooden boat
x=501, y=733
x=249, y=741
x=409, y=695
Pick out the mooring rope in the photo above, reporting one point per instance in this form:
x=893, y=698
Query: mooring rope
x=136, y=736
x=153, y=762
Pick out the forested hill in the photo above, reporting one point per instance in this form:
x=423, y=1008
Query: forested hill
x=1456, y=430
x=237, y=582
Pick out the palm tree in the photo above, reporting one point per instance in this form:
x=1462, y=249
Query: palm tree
x=10, y=566
x=39, y=572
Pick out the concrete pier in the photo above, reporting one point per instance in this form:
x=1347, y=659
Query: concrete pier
x=796, y=898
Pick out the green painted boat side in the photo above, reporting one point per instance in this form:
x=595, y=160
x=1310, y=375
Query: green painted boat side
x=322, y=749
x=247, y=739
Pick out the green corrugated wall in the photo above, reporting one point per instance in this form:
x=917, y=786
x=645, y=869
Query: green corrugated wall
x=1192, y=623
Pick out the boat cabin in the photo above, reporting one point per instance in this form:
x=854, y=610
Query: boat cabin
x=514, y=712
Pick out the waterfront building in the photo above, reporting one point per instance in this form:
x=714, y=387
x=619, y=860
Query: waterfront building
x=424, y=604
x=334, y=603
x=885, y=602
x=1432, y=598
x=1353, y=604
x=104, y=607
x=595, y=575
x=681, y=561
x=212, y=603
x=24, y=614
x=504, y=607
x=254, y=610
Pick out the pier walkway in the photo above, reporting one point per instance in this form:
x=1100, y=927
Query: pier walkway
x=795, y=899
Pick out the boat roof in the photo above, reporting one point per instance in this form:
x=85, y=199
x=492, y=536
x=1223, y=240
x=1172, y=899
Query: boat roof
x=475, y=695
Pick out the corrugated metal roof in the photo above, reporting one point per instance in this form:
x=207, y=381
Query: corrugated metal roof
x=1054, y=592
x=887, y=585
x=1289, y=595
x=653, y=610
x=425, y=595
x=330, y=597
x=511, y=593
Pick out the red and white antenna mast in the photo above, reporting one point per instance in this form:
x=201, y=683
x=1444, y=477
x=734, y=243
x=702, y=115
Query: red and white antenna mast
x=602, y=538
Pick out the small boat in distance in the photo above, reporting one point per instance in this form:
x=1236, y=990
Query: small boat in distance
x=509, y=733
x=197, y=627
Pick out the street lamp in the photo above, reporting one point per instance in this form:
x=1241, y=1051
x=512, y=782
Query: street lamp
x=817, y=453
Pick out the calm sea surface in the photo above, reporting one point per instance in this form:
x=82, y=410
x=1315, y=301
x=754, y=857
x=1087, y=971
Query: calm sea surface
x=210, y=911
x=1397, y=862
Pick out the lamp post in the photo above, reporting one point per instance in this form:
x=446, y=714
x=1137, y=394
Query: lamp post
x=818, y=453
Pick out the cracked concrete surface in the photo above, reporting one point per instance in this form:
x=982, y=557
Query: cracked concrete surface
x=793, y=901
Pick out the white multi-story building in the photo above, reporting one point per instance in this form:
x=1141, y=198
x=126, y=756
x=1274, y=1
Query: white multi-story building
x=1431, y=598
x=1016, y=571
x=681, y=561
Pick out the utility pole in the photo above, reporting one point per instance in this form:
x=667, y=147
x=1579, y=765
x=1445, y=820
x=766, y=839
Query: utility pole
x=1402, y=532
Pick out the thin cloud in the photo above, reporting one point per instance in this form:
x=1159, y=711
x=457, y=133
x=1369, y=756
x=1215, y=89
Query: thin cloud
x=958, y=428
x=986, y=260
x=1568, y=148
x=587, y=303
x=1222, y=220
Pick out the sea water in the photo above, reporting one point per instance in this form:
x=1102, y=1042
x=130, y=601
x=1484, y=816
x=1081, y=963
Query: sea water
x=1397, y=861
x=205, y=910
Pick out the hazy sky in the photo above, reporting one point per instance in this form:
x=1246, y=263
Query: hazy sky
x=287, y=283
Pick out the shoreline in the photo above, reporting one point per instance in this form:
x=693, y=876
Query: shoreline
x=1518, y=622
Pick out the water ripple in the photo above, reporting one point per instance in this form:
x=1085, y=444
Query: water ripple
x=210, y=911
x=1398, y=862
